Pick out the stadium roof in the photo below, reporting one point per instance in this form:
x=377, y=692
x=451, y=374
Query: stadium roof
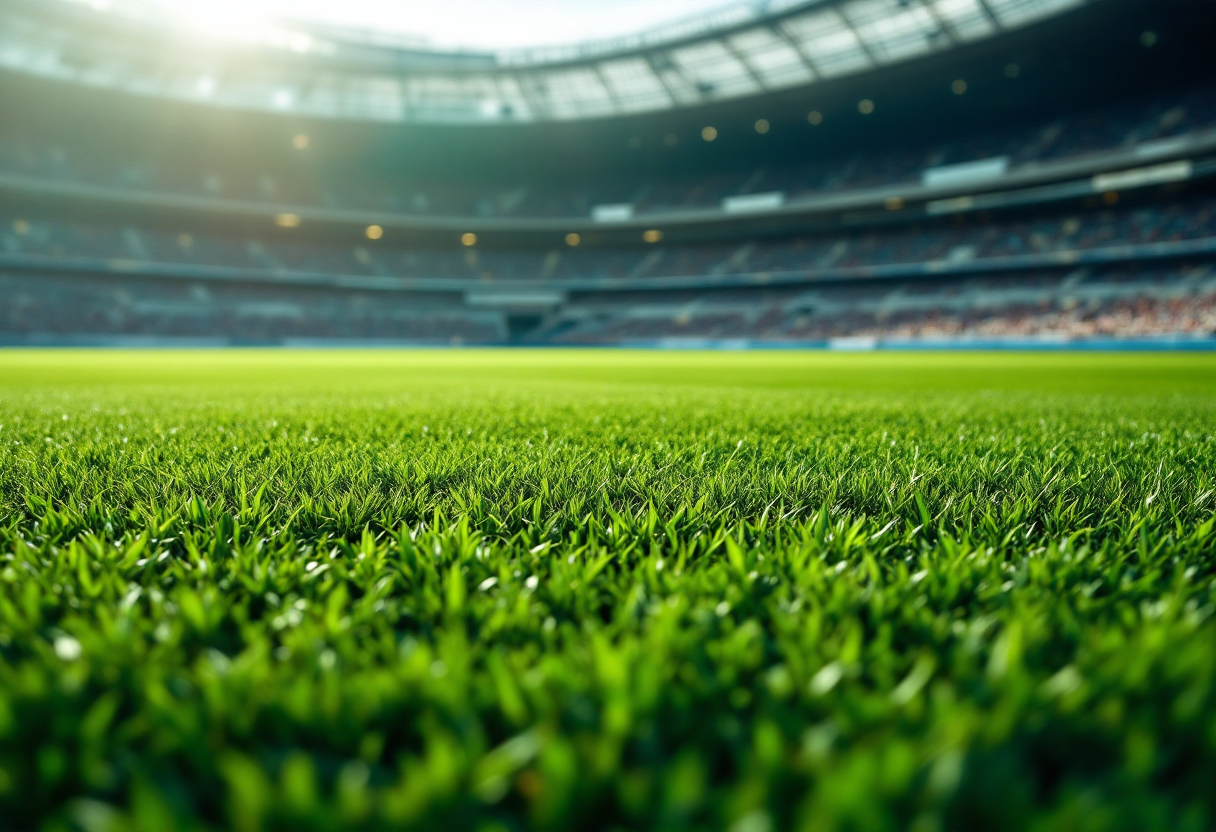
x=747, y=49
x=440, y=24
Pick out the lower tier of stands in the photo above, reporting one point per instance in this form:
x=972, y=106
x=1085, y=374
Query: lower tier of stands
x=1130, y=301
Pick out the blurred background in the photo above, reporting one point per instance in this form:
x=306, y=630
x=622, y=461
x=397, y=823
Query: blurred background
x=842, y=173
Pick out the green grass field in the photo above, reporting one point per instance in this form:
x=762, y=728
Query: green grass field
x=606, y=590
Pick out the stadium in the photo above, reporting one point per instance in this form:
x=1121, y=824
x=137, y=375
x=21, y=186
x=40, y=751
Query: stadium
x=785, y=414
x=726, y=182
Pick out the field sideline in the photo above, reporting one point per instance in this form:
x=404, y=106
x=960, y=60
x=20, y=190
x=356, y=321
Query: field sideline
x=508, y=590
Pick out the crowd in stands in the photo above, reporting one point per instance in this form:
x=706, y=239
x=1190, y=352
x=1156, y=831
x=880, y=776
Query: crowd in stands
x=53, y=308
x=1124, y=302
x=292, y=182
x=1127, y=303
x=957, y=243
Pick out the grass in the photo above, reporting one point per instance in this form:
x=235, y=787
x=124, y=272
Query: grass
x=507, y=591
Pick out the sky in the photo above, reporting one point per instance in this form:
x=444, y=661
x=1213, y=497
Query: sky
x=476, y=24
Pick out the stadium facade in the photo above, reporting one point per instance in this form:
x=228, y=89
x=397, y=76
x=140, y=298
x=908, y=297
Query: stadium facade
x=853, y=173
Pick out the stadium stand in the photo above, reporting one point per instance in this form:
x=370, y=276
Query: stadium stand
x=1029, y=206
x=1084, y=303
x=1159, y=117
x=1173, y=229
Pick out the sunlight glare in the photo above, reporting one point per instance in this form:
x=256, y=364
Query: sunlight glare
x=476, y=24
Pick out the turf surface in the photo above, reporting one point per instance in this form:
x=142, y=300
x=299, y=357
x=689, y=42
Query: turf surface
x=558, y=590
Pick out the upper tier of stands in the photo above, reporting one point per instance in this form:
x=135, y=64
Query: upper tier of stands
x=304, y=178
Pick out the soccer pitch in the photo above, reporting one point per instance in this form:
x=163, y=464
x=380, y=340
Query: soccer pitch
x=606, y=590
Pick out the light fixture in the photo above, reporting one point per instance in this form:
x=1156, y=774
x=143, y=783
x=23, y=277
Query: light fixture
x=652, y=235
x=287, y=220
x=815, y=117
x=573, y=239
x=865, y=106
x=762, y=126
x=468, y=239
x=300, y=142
x=374, y=232
x=709, y=133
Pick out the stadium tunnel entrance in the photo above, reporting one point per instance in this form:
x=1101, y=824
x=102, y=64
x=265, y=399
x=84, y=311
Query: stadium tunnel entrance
x=521, y=326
